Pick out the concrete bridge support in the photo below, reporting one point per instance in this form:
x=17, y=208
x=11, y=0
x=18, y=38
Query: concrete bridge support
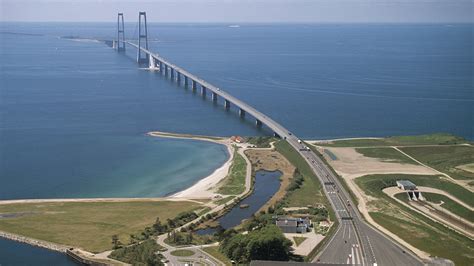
x=241, y=112
x=142, y=39
x=166, y=70
x=227, y=104
x=186, y=82
x=214, y=97
x=120, y=43
x=258, y=123
x=172, y=74
x=178, y=78
x=193, y=85
x=161, y=66
x=203, y=91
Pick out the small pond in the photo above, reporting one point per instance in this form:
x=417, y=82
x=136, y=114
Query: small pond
x=266, y=185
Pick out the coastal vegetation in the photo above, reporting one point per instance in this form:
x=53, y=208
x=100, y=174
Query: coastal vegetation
x=429, y=139
x=145, y=253
x=90, y=225
x=386, y=154
x=234, y=183
x=413, y=227
x=261, y=142
x=267, y=243
x=446, y=159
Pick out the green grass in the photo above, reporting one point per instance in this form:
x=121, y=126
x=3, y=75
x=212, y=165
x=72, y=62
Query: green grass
x=413, y=227
x=182, y=253
x=430, y=139
x=310, y=192
x=224, y=200
x=445, y=159
x=214, y=251
x=234, y=183
x=429, y=236
x=299, y=240
x=261, y=142
x=139, y=254
x=89, y=225
x=450, y=205
x=373, y=185
x=386, y=154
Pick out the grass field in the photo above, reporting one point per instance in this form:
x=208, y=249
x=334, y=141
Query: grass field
x=432, y=139
x=373, y=185
x=182, y=253
x=89, y=225
x=214, y=251
x=386, y=154
x=412, y=227
x=310, y=192
x=299, y=240
x=445, y=159
x=234, y=183
x=450, y=205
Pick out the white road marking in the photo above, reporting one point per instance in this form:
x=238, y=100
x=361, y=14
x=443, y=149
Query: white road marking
x=353, y=259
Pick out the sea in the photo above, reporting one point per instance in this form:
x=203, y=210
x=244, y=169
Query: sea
x=74, y=113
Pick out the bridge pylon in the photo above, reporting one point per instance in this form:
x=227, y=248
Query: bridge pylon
x=120, y=43
x=142, y=57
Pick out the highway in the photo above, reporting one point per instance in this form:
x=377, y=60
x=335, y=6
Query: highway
x=354, y=242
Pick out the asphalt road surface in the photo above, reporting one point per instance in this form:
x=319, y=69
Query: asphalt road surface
x=354, y=242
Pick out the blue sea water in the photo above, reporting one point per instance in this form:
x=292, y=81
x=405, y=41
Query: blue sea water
x=74, y=114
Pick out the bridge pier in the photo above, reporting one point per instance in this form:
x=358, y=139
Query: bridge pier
x=193, y=85
x=214, y=97
x=276, y=135
x=241, y=112
x=186, y=82
x=203, y=91
x=258, y=123
x=226, y=104
x=120, y=43
x=172, y=74
x=178, y=78
x=161, y=66
x=166, y=70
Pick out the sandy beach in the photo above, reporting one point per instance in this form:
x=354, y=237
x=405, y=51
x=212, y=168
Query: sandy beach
x=204, y=188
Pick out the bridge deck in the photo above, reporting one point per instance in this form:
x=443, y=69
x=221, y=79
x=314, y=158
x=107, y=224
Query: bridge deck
x=276, y=127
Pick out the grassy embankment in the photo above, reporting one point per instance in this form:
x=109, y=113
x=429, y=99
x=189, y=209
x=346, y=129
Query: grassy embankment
x=415, y=228
x=261, y=142
x=431, y=139
x=310, y=192
x=446, y=159
x=450, y=205
x=88, y=225
x=214, y=251
x=234, y=183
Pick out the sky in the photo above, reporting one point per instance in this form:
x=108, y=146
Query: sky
x=256, y=11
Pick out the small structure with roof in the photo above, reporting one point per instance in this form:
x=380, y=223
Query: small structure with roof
x=406, y=185
x=293, y=225
x=411, y=189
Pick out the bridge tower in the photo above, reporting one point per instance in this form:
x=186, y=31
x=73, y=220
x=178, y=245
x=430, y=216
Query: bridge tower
x=120, y=44
x=142, y=57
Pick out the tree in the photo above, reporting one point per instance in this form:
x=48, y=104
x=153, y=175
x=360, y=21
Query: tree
x=116, y=242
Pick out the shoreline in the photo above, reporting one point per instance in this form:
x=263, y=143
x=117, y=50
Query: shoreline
x=204, y=187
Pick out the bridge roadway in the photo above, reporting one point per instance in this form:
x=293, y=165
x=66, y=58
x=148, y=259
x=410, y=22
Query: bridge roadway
x=354, y=242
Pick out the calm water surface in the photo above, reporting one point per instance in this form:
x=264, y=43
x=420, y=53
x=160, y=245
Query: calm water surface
x=74, y=114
